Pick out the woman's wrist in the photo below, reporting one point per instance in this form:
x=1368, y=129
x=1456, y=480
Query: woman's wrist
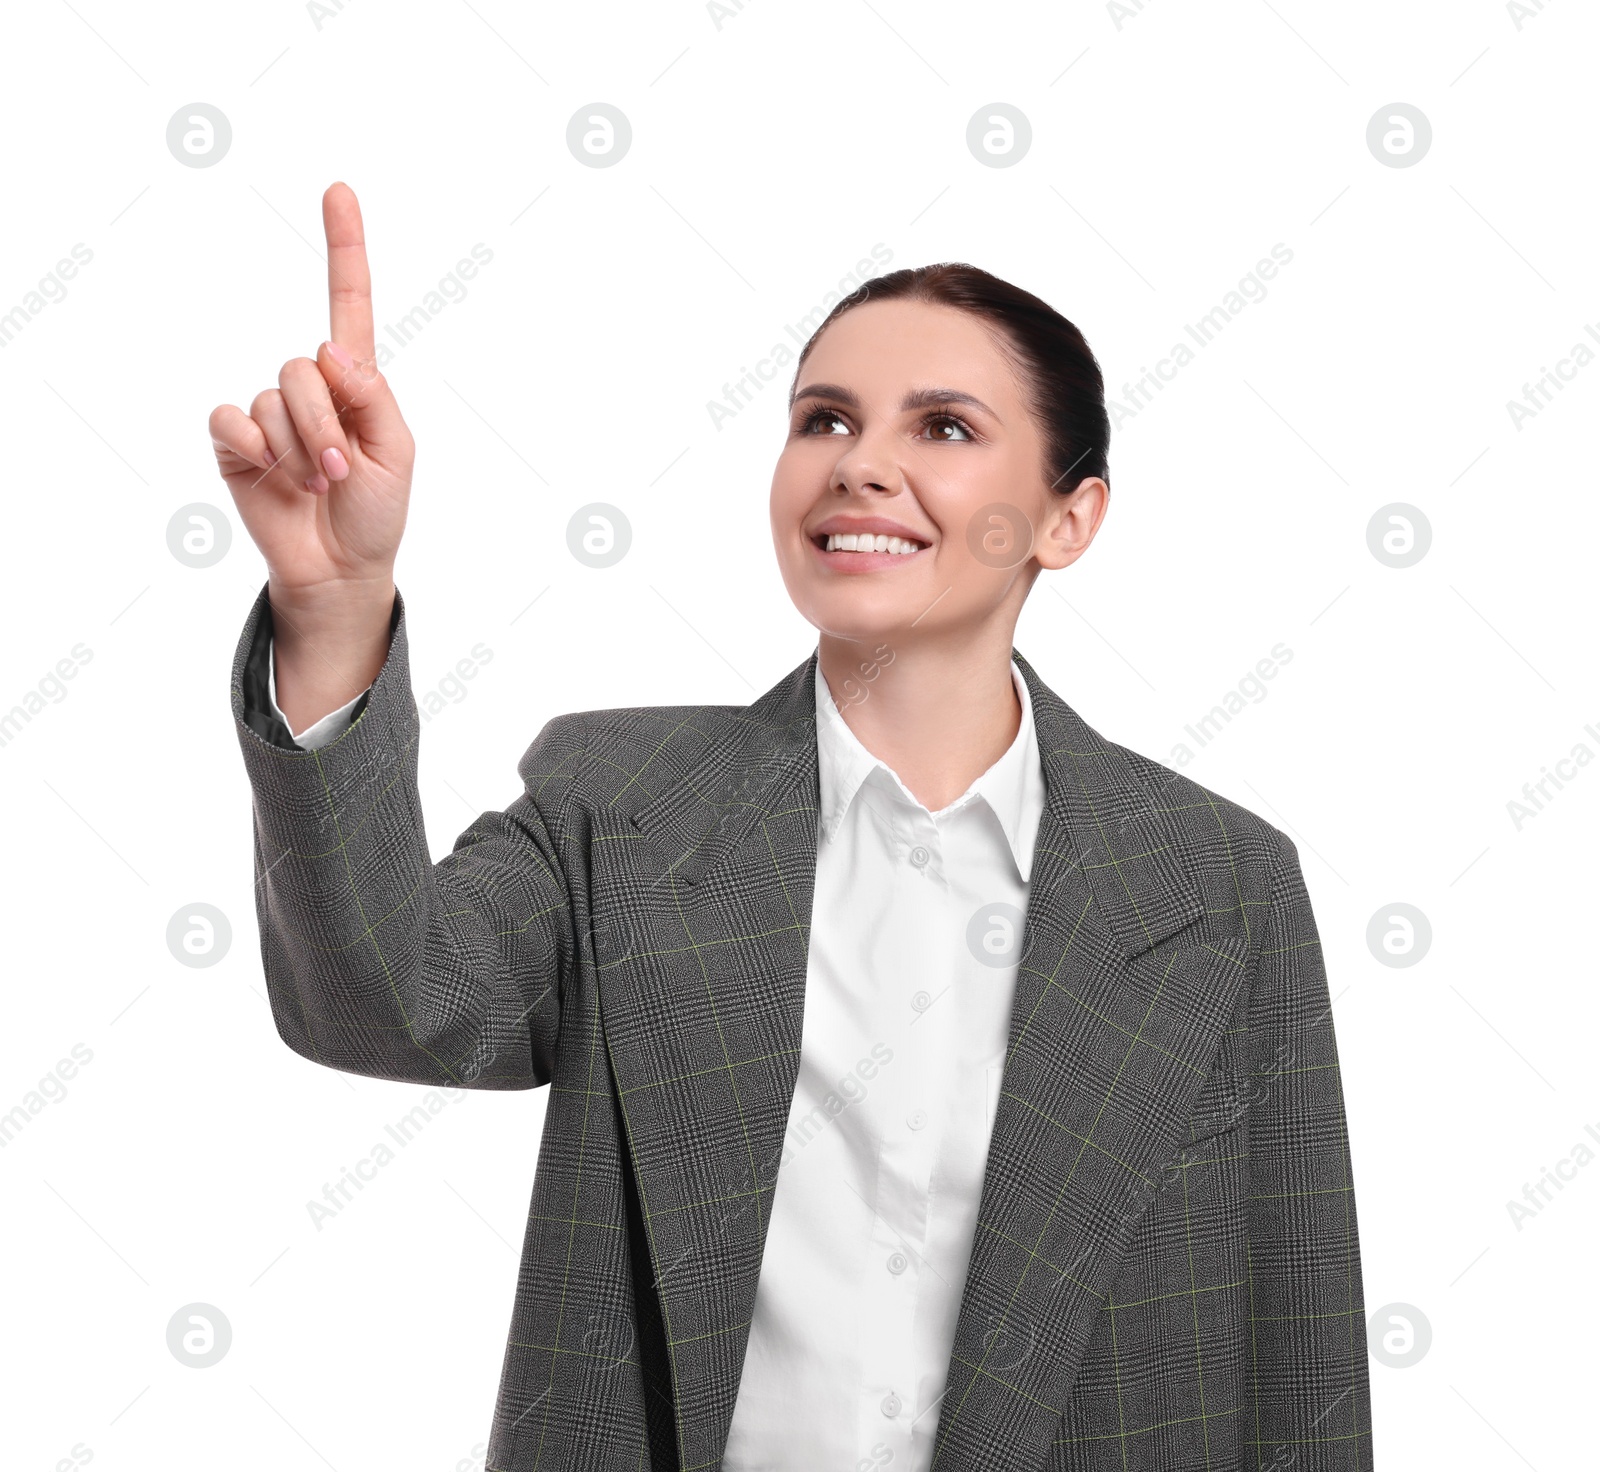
x=328, y=645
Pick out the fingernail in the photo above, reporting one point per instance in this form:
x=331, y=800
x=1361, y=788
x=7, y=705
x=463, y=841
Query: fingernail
x=316, y=485
x=339, y=356
x=335, y=464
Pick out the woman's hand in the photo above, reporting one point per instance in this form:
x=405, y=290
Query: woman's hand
x=320, y=471
x=320, y=468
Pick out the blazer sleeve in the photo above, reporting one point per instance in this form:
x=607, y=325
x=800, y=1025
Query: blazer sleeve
x=377, y=960
x=1307, y=1403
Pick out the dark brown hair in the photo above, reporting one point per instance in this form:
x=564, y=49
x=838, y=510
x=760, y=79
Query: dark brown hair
x=1065, y=383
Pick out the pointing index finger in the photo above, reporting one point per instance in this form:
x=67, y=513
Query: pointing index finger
x=349, y=280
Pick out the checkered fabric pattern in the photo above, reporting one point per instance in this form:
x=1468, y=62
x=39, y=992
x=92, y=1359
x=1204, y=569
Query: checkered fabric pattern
x=1166, y=1270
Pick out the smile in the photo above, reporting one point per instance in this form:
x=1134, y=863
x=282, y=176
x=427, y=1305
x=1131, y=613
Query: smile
x=867, y=542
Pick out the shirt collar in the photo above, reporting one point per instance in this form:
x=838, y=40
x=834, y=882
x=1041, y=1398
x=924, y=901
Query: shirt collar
x=1013, y=787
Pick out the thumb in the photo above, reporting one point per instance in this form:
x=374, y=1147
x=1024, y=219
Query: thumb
x=369, y=406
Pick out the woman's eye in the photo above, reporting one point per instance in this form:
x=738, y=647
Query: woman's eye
x=821, y=417
x=950, y=430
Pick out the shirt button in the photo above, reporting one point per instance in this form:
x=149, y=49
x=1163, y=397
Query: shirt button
x=919, y=856
x=916, y=1119
x=897, y=1263
x=891, y=1404
x=921, y=1001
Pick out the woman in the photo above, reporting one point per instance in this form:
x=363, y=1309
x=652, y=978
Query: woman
x=934, y=1083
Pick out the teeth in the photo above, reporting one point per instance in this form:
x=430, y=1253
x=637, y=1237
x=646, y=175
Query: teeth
x=866, y=542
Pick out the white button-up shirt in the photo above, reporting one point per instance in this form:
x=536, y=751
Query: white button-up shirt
x=318, y=733
x=916, y=926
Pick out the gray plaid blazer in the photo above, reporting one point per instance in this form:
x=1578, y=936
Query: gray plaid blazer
x=1165, y=1272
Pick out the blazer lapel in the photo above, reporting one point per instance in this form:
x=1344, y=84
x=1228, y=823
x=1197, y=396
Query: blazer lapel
x=1109, y=1044
x=704, y=887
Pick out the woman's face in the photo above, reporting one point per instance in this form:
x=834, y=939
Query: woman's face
x=910, y=424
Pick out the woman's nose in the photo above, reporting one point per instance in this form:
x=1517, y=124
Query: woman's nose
x=872, y=465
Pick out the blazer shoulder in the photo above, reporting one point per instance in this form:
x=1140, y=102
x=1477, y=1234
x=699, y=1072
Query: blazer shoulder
x=1216, y=835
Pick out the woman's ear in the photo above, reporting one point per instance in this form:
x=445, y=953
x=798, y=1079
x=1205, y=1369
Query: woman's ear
x=1070, y=522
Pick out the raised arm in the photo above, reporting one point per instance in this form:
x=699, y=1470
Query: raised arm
x=377, y=960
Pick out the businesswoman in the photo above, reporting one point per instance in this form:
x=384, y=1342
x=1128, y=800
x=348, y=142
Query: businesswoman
x=935, y=1083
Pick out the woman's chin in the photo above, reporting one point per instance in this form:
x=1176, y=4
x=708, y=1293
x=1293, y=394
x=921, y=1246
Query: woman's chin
x=868, y=610
x=856, y=622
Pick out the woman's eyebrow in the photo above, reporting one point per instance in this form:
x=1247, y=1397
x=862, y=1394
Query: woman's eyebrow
x=918, y=398
x=926, y=398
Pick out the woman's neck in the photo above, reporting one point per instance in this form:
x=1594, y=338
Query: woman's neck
x=939, y=713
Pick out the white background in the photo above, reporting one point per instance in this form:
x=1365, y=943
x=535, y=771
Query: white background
x=770, y=153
